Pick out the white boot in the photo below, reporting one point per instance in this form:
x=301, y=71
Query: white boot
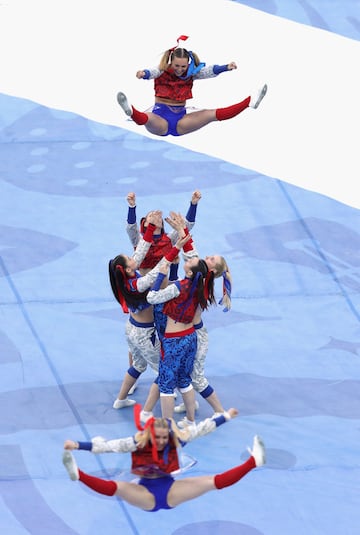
x=258, y=451
x=70, y=465
x=121, y=403
x=132, y=389
x=145, y=416
x=257, y=97
x=181, y=407
x=123, y=101
x=184, y=423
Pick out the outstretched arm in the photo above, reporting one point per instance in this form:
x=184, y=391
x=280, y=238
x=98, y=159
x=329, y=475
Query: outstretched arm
x=131, y=224
x=190, y=217
x=161, y=295
x=144, y=244
x=148, y=74
x=178, y=223
x=210, y=71
x=210, y=424
x=146, y=281
x=101, y=445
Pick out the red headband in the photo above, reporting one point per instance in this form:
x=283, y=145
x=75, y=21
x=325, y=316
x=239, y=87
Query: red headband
x=149, y=424
x=181, y=38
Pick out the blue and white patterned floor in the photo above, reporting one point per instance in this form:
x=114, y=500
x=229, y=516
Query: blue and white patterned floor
x=287, y=355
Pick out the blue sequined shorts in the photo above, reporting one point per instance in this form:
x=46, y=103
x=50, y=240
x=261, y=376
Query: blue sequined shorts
x=177, y=361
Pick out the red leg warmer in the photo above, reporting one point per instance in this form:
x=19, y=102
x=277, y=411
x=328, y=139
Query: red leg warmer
x=234, y=475
x=139, y=117
x=99, y=485
x=231, y=111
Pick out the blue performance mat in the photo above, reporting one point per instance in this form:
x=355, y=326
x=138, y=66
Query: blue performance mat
x=286, y=355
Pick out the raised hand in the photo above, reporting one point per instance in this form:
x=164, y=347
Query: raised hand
x=196, y=196
x=176, y=221
x=70, y=445
x=155, y=217
x=232, y=66
x=131, y=199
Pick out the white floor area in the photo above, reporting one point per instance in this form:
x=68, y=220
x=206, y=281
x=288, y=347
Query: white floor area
x=76, y=55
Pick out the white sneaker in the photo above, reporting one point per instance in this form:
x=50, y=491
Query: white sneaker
x=121, y=403
x=257, y=97
x=132, y=389
x=181, y=407
x=70, y=465
x=258, y=451
x=184, y=423
x=123, y=101
x=144, y=416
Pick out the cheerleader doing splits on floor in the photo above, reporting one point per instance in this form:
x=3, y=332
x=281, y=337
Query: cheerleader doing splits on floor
x=154, y=458
x=173, y=82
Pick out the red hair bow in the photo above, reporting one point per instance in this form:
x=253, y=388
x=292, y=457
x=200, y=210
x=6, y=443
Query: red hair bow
x=149, y=424
x=181, y=38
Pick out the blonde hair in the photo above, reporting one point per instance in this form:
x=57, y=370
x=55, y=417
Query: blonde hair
x=143, y=437
x=221, y=269
x=168, y=56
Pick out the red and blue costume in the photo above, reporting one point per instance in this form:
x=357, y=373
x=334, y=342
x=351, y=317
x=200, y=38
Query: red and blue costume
x=171, y=87
x=155, y=467
x=178, y=348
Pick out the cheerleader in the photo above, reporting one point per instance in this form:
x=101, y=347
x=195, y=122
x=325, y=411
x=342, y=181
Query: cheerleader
x=179, y=344
x=130, y=290
x=217, y=264
x=173, y=82
x=154, y=459
x=162, y=241
x=160, y=246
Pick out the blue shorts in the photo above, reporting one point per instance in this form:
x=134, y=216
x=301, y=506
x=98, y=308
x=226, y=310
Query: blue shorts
x=176, y=365
x=160, y=320
x=171, y=114
x=159, y=488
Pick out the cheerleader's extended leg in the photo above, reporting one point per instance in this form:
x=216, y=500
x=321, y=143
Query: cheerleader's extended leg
x=153, y=123
x=133, y=493
x=189, y=488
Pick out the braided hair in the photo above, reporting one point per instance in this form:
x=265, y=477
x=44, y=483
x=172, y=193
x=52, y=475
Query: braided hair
x=177, y=53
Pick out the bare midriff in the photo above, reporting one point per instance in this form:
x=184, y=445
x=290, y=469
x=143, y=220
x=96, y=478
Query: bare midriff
x=169, y=102
x=176, y=327
x=144, y=316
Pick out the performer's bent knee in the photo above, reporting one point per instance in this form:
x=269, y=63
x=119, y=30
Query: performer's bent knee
x=207, y=392
x=134, y=372
x=201, y=385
